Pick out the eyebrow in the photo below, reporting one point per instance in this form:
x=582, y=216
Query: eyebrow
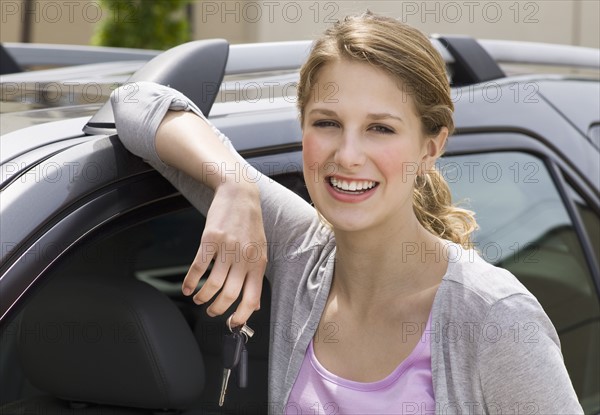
x=374, y=116
x=384, y=115
x=323, y=111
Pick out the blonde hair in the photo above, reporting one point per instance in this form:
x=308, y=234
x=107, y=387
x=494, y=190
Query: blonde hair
x=408, y=56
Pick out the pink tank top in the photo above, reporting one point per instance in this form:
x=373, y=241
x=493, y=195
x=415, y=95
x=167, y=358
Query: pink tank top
x=407, y=390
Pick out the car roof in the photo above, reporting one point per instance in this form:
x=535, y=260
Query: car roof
x=106, y=67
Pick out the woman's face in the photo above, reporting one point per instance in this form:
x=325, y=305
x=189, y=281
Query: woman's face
x=362, y=147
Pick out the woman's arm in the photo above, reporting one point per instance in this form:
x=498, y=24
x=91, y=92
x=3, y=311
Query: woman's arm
x=234, y=221
x=162, y=126
x=521, y=366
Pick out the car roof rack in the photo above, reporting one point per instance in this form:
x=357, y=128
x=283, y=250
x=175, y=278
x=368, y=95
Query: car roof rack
x=472, y=61
x=46, y=54
x=203, y=64
x=536, y=53
x=180, y=68
x=505, y=51
x=7, y=63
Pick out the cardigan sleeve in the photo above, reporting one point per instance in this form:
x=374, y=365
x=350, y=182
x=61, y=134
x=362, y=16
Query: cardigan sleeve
x=139, y=109
x=520, y=364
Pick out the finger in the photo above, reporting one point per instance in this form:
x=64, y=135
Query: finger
x=250, y=299
x=206, y=252
x=214, y=282
x=230, y=292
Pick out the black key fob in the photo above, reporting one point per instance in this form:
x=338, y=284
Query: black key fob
x=242, y=368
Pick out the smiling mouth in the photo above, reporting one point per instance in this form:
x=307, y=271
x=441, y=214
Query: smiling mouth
x=352, y=187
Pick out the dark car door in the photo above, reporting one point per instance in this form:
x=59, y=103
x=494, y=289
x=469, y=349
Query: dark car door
x=537, y=224
x=123, y=222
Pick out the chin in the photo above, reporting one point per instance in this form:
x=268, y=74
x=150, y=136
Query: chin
x=345, y=224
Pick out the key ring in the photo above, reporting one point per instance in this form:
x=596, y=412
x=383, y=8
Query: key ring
x=244, y=329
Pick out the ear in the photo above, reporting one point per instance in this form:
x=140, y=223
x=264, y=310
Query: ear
x=433, y=148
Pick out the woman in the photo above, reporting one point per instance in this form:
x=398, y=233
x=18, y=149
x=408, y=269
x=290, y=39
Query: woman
x=378, y=304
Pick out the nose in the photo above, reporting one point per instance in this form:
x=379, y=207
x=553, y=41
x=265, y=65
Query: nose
x=350, y=153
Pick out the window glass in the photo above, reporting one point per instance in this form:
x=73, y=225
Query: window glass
x=525, y=228
x=155, y=245
x=591, y=221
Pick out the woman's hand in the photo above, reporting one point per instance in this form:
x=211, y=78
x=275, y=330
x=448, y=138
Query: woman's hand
x=234, y=238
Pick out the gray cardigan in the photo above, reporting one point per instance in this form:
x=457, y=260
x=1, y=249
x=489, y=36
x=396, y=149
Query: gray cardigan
x=493, y=349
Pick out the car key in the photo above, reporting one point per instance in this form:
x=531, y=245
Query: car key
x=242, y=368
x=232, y=350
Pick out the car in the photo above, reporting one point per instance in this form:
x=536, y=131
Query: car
x=95, y=243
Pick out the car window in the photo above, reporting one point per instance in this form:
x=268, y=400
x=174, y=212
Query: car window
x=164, y=243
x=156, y=246
x=589, y=219
x=525, y=228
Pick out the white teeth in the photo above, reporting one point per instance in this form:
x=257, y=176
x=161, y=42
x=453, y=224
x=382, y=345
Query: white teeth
x=353, y=185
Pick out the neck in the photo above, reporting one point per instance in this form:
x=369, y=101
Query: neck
x=380, y=266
